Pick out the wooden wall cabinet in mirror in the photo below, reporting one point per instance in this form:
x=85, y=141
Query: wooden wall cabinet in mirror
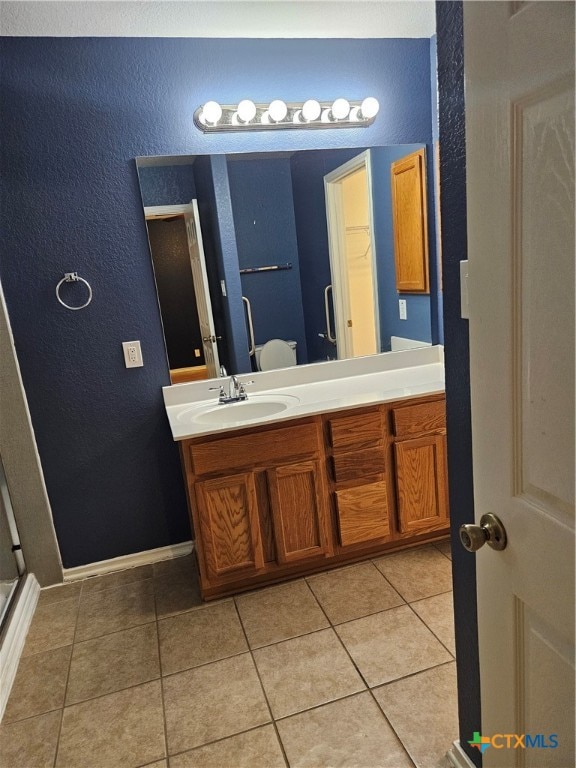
x=409, y=213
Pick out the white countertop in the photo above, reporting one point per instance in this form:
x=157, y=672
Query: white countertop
x=308, y=390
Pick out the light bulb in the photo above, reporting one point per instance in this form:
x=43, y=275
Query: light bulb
x=311, y=110
x=370, y=107
x=277, y=110
x=340, y=109
x=211, y=112
x=246, y=110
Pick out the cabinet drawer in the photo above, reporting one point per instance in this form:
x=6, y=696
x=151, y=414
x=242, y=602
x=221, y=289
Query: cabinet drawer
x=363, y=513
x=356, y=431
x=357, y=465
x=425, y=418
x=254, y=449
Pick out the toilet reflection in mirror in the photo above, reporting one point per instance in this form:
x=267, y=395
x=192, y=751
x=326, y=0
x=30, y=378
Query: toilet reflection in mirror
x=291, y=246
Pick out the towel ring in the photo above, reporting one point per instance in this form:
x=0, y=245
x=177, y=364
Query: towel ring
x=72, y=277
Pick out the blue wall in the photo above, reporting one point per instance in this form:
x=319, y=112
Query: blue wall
x=261, y=190
x=167, y=184
x=76, y=112
x=454, y=248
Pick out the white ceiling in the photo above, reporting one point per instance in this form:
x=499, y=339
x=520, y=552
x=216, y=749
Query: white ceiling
x=219, y=18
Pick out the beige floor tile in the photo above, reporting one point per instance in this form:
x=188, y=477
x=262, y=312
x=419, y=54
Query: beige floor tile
x=305, y=672
x=122, y=729
x=176, y=593
x=211, y=702
x=40, y=684
x=445, y=548
x=113, y=662
x=350, y=733
x=177, y=566
x=417, y=573
x=60, y=592
x=30, y=743
x=53, y=626
x=117, y=579
x=159, y=764
x=278, y=613
x=115, y=609
x=391, y=644
x=199, y=637
x=254, y=749
x=424, y=713
x=353, y=592
x=438, y=613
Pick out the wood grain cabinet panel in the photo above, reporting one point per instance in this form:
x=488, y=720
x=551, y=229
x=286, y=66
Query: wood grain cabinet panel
x=229, y=525
x=424, y=418
x=227, y=454
x=410, y=219
x=357, y=465
x=363, y=513
x=421, y=484
x=358, y=431
x=299, y=511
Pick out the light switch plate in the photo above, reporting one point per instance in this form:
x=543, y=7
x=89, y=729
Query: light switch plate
x=402, y=311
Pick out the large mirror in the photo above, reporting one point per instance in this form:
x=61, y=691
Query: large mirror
x=297, y=246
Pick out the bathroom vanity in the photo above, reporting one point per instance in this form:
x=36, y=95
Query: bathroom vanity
x=348, y=468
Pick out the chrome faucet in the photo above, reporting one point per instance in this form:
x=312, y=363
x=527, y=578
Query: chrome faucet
x=236, y=391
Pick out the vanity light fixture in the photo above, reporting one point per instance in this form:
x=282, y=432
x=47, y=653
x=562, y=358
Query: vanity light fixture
x=246, y=115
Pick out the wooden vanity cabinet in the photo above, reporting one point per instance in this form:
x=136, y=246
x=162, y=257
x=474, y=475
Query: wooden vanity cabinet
x=270, y=503
x=269, y=515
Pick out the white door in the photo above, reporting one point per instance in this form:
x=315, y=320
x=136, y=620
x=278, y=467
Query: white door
x=349, y=213
x=201, y=291
x=519, y=69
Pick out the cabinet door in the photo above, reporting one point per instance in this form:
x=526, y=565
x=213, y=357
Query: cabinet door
x=229, y=522
x=409, y=214
x=299, y=511
x=421, y=484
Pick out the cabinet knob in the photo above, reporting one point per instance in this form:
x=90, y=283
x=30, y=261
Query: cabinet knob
x=490, y=531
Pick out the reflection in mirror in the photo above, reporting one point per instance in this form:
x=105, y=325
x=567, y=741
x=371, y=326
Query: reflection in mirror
x=297, y=246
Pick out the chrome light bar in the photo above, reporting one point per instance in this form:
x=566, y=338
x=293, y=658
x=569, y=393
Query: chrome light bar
x=277, y=114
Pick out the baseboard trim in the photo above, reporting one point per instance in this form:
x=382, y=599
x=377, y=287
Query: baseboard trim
x=15, y=636
x=128, y=561
x=458, y=758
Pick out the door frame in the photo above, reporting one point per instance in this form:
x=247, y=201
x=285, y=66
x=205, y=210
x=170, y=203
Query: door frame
x=189, y=212
x=337, y=249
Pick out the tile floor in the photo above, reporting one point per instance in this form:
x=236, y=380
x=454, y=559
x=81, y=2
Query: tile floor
x=353, y=667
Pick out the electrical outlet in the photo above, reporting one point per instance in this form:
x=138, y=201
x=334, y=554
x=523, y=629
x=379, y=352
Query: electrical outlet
x=132, y=354
x=196, y=353
x=402, y=309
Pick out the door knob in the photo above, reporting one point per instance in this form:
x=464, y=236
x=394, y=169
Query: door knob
x=490, y=531
x=212, y=339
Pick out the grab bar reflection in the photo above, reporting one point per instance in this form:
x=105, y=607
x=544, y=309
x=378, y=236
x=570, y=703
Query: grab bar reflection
x=329, y=334
x=252, y=347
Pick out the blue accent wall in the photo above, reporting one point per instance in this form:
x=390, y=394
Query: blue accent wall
x=263, y=208
x=76, y=112
x=454, y=248
x=167, y=184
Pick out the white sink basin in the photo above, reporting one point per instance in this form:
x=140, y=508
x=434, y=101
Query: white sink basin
x=257, y=407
